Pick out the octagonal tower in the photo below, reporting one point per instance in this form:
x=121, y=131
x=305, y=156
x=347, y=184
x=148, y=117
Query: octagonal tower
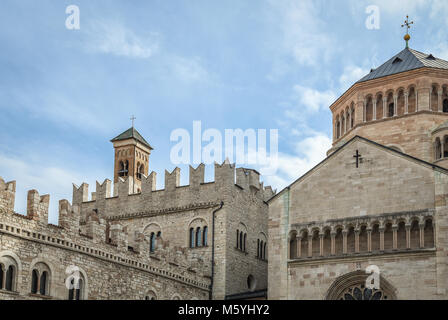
x=403, y=104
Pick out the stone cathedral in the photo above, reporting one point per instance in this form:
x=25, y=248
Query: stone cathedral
x=378, y=204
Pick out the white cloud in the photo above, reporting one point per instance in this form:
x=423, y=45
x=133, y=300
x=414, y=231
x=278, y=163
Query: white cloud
x=114, y=38
x=303, y=32
x=188, y=70
x=308, y=153
x=51, y=180
x=313, y=100
x=350, y=76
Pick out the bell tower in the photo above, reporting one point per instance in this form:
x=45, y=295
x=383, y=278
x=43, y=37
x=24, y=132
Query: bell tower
x=131, y=157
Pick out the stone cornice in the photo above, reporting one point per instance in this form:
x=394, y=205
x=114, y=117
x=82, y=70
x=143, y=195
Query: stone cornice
x=153, y=213
x=361, y=257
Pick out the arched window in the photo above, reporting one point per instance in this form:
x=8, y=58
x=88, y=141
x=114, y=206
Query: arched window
x=363, y=239
x=251, y=283
x=369, y=109
x=76, y=290
x=401, y=236
x=391, y=110
x=352, y=115
x=192, y=242
x=304, y=245
x=34, y=281
x=388, y=237
x=43, y=283
x=204, y=237
x=151, y=295
x=139, y=172
x=445, y=147
x=327, y=243
x=79, y=290
x=264, y=251
x=241, y=241
x=1, y=275
x=238, y=239
x=8, y=273
x=438, y=149
x=245, y=237
x=152, y=241
x=445, y=105
x=338, y=129
x=10, y=278
x=198, y=237
x=260, y=254
x=339, y=239
x=429, y=234
x=123, y=168
x=375, y=237
x=415, y=235
x=40, y=279
x=258, y=248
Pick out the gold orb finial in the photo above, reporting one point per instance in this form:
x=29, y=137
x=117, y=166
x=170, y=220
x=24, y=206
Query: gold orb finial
x=407, y=24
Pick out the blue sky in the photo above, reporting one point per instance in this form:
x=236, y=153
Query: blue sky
x=268, y=64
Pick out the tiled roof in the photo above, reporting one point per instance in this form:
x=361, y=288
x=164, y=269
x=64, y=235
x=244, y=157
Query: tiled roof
x=132, y=133
x=406, y=60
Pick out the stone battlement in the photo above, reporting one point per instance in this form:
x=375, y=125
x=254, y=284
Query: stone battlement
x=100, y=238
x=226, y=177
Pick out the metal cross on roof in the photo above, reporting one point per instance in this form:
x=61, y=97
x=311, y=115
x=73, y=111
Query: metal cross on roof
x=407, y=24
x=132, y=119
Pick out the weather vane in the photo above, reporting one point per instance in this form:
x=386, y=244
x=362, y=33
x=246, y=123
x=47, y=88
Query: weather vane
x=132, y=119
x=407, y=24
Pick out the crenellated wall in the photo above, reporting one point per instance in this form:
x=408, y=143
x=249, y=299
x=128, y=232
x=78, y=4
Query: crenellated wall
x=98, y=247
x=117, y=225
x=175, y=208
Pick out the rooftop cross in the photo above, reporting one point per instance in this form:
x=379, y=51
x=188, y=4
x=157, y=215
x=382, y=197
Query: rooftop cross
x=132, y=119
x=407, y=24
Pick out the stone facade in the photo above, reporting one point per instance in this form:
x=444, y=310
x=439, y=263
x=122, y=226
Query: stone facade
x=140, y=243
x=377, y=205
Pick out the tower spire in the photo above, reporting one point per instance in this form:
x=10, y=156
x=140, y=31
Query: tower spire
x=407, y=24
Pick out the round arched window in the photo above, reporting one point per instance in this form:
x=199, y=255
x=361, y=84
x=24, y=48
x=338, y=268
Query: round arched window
x=251, y=283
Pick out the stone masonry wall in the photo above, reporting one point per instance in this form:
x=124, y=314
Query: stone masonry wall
x=111, y=270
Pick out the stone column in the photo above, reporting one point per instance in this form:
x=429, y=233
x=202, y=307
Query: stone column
x=395, y=105
x=439, y=100
x=356, y=241
x=374, y=109
x=299, y=246
x=381, y=238
x=359, y=111
x=394, y=236
x=408, y=236
x=369, y=240
x=321, y=244
x=442, y=149
x=310, y=246
x=385, y=107
x=344, y=242
x=364, y=112
x=422, y=235
x=406, y=102
x=350, y=119
x=333, y=243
